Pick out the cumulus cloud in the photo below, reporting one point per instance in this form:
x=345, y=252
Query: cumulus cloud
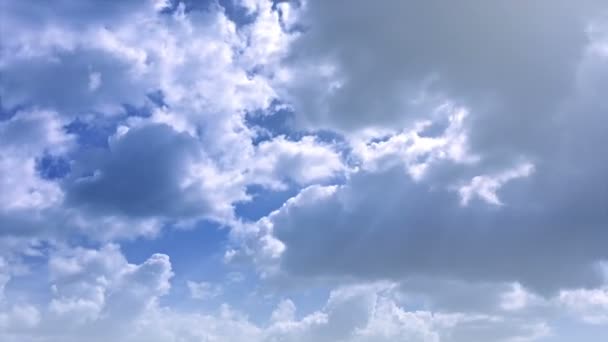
x=25, y=138
x=433, y=48
x=188, y=157
x=377, y=225
x=97, y=295
x=522, y=147
x=149, y=171
x=94, y=293
x=203, y=290
x=446, y=161
x=305, y=161
x=485, y=187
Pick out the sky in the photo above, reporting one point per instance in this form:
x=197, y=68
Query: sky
x=306, y=170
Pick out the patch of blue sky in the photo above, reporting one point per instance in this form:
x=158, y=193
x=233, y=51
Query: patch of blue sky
x=51, y=167
x=197, y=254
x=27, y=287
x=142, y=111
x=234, y=11
x=157, y=98
x=263, y=202
x=262, y=299
x=278, y=120
x=7, y=113
x=271, y=123
x=435, y=129
x=94, y=131
x=35, y=262
x=308, y=299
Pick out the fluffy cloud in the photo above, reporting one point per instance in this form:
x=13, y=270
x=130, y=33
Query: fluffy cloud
x=377, y=225
x=203, y=290
x=527, y=148
x=188, y=156
x=375, y=72
x=152, y=171
x=461, y=197
x=25, y=138
x=305, y=161
x=96, y=294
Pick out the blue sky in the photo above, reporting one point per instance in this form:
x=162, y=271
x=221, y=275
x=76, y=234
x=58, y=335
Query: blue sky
x=257, y=170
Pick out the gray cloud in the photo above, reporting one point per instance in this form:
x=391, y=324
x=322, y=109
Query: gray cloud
x=482, y=223
x=527, y=74
x=141, y=175
x=512, y=64
x=383, y=225
x=62, y=82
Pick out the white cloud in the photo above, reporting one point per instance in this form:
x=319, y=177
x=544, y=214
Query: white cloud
x=19, y=317
x=378, y=225
x=284, y=312
x=416, y=150
x=517, y=298
x=428, y=122
x=591, y=305
x=26, y=137
x=201, y=65
x=203, y=290
x=485, y=187
x=98, y=295
x=371, y=313
x=305, y=161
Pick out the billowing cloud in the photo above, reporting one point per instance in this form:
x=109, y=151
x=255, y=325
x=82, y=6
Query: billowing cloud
x=525, y=188
x=423, y=171
x=151, y=171
x=97, y=295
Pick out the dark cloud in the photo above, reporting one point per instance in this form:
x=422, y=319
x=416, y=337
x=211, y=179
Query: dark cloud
x=73, y=82
x=512, y=64
x=383, y=225
x=139, y=118
x=527, y=74
x=74, y=13
x=141, y=174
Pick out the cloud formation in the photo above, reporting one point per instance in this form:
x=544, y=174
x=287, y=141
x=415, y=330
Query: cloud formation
x=421, y=171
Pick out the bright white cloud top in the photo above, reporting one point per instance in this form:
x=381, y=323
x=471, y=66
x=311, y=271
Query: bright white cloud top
x=307, y=170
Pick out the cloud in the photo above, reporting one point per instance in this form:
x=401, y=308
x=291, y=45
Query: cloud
x=377, y=71
x=203, y=290
x=463, y=197
x=19, y=317
x=441, y=138
x=152, y=171
x=305, y=161
x=378, y=225
x=98, y=295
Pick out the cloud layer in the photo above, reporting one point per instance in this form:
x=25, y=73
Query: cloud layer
x=360, y=171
